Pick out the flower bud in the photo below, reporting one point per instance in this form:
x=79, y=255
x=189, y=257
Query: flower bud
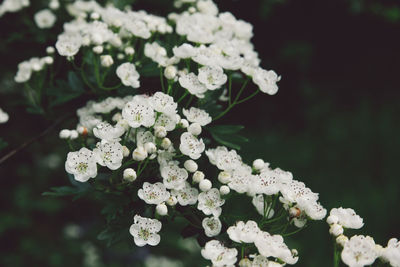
x=82, y=130
x=171, y=201
x=198, y=176
x=170, y=72
x=48, y=60
x=190, y=165
x=129, y=175
x=342, y=240
x=162, y=209
x=120, y=56
x=160, y=131
x=54, y=4
x=98, y=49
x=258, y=164
x=125, y=151
x=245, y=263
x=106, y=61
x=50, y=50
x=184, y=123
x=194, y=129
x=332, y=219
x=129, y=51
x=64, y=134
x=73, y=134
x=205, y=185
x=224, y=177
x=150, y=147
x=165, y=143
x=95, y=16
x=224, y=190
x=336, y=229
x=139, y=153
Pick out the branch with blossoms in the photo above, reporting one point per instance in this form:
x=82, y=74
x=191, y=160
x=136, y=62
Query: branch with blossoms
x=147, y=136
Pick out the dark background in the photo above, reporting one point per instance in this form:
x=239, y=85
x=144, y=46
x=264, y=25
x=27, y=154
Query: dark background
x=334, y=123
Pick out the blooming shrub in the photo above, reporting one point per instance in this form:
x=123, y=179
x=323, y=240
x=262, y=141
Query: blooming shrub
x=149, y=135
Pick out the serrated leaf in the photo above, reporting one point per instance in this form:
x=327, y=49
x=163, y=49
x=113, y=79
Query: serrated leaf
x=227, y=135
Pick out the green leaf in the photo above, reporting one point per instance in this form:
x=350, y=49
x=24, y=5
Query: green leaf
x=149, y=70
x=226, y=129
x=62, y=191
x=67, y=91
x=3, y=144
x=227, y=135
x=75, y=82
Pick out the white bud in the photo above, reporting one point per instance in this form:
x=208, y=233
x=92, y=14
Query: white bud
x=50, y=50
x=74, y=134
x=245, y=263
x=54, y=4
x=165, y=143
x=98, y=49
x=342, y=240
x=129, y=175
x=258, y=164
x=184, y=123
x=198, y=176
x=82, y=130
x=190, y=165
x=139, y=153
x=106, y=61
x=171, y=201
x=95, y=16
x=192, y=10
x=150, y=147
x=125, y=151
x=224, y=177
x=162, y=209
x=64, y=134
x=129, y=51
x=205, y=185
x=224, y=190
x=336, y=229
x=120, y=56
x=177, y=117
x=48, y=60
x=170, y=72
x=160, y=131
x=194, y=128
x=332, y=219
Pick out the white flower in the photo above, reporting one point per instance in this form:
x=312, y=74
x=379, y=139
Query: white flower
x=24, y=72
x=143, y=137
x=144, y=231
x=68, y=45
x=138, y=113
x=347, y=218
x=274, y=246
x=159, y=130
x=258, y=164
x=109, y=153
x=212, y=77
x=391, y=252
x=106, y=131
x=210, y=202
x=156, y=52
x=266, y=81
x=192, y=84
x=167, y=122
x=3, y=116
x=212, y=226
x=186, y=196
x=106, y=60
x=224, y=190
x=197, y=115
x=45, y=19
x=191, y=146
x=129, y=175
x=162, y=209
x=173, y=176
x=139, y=154
x=359, y=251
x=163, y=103
x=244, y=232
x=184, y=51
x=336, y=229
x=82, y=164
x=224, y=160
x=194, y=129
x=128, y=75
x=218, y=254
x=153, y=193
x=241, y=179
x=198, y=176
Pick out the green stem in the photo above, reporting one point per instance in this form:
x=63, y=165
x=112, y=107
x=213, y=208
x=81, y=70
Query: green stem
x=230, y=89
x=249, y=97
x=242, y=253
x=183, y=96
x=162, y=80
x=127, y=136
x=336, y=254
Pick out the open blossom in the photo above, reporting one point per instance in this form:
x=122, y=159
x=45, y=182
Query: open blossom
x=173, y=176
x=45, y=19
x=163, y=103
x=244, y=232
x=128, y=75
x=274, y=246
x=109, y=153
x=212, y=77
x=106, y=131
x=212, y=226
x=266, y=81
x=156, y=52
x=197, y=115
x=184, y=51
x=167, y=121
x=191, y=146
x=258, y=203
x=187, y=195
x=270, y=182
x=210, y=202
x=224, y=159
x=68, y=45
x=346, y=218
x=153, y=193
x=218, y=254
x=144, y=231
x=391, y=252
x=3, y=116
x=138, y=113
x=82, y=164
x=359, y=251
x=192, y=84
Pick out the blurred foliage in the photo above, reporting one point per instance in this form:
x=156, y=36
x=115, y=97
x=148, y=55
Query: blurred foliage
x=334, y=124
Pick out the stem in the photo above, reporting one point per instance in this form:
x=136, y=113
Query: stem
x=249, y=97
x=242, y=253
x=294, y=232
x=336, y=254
x=230, y=89
x=162, y=80
x=127, y=136
x=183, y=96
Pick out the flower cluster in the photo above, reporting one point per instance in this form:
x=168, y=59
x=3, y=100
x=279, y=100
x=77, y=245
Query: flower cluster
x=12, y=6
